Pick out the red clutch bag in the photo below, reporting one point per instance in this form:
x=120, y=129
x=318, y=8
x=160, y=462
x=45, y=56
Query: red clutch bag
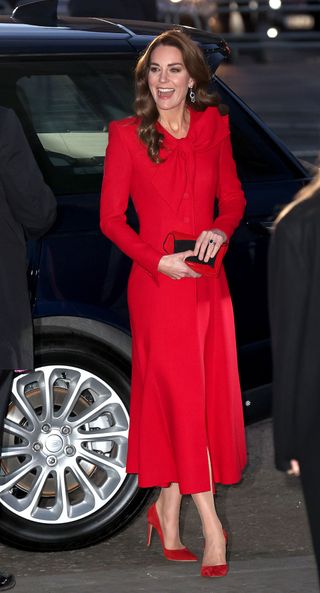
x=176, y=242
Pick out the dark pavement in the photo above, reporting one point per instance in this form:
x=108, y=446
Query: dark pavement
x=270, y=549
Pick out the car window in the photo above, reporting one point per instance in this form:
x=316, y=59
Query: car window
x=69, y=106
x=66, y=105
x=258, y=157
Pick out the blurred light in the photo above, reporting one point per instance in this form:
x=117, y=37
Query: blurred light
x=213, y=23
x=175, y=1
x=300, y=21
x=272, y=32
x=236, y=23
x=275, y=4
x=253, y=5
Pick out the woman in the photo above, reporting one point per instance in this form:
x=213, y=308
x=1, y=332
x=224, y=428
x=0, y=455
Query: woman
x=294, y=280
x=173, y=158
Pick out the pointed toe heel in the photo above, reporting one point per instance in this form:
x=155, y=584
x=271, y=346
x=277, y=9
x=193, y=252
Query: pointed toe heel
x=179, y=555
x=220, y=570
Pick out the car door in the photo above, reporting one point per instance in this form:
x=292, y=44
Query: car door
x=65, y=105
x=270, y=176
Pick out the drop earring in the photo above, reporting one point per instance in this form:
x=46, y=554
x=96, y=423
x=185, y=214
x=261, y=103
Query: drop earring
x=192, y=95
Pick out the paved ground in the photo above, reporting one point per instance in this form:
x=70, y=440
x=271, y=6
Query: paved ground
x=270, y=549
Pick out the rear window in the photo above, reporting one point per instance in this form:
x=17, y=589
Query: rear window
x=65, y=108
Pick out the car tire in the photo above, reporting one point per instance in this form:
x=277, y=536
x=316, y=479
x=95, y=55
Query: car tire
x=108, y=372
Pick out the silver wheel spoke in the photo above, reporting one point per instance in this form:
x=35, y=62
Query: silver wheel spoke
x=91, y=414
x=30, y=502
x=101, y=435
x=100, y=460
x=61, y=507
x=70, y=401
x=17, y=430
x=14, y=451
x=86, y=483
x=6, y=482
x=23, y=403
x=46, y=397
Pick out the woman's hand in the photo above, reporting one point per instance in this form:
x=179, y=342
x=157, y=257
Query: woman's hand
x=209, y=243
x=175, y=267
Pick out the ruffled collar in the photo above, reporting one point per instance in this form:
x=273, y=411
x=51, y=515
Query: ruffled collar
x=206, y=129
x=174, y=176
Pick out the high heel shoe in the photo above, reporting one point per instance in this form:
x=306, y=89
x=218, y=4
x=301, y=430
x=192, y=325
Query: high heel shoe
x=180, y=555
x=220, y=570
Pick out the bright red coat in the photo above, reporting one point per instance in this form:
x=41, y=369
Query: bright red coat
x=185, y=393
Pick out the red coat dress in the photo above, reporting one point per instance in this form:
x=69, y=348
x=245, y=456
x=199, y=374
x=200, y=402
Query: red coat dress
x=185, y=393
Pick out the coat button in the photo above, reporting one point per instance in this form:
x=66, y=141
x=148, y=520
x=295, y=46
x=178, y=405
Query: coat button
x=186, y=219
x=186, y=196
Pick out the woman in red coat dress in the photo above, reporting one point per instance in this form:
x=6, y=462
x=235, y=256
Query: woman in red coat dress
x=174, y=158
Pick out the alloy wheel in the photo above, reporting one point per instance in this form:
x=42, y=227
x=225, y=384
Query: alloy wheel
x=64, y=445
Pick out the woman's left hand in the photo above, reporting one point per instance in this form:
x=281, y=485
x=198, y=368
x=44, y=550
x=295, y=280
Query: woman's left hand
x=209, y=243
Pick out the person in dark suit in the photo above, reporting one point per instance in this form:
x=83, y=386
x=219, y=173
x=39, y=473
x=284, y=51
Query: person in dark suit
x=145, y=10
x=294, y=291
x=27, y=210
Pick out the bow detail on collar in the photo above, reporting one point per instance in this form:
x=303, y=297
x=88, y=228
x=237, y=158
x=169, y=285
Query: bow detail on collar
x=174, y=177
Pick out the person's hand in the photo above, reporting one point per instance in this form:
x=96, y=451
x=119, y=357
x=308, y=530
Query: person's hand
x=174, y=266
x=294, y=468
x=209, y=243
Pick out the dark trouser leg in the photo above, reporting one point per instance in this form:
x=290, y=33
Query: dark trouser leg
x=310, y=478
x=6, y=378
x=7, y=581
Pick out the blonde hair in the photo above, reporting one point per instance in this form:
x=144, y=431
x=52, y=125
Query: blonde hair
x=308, y=191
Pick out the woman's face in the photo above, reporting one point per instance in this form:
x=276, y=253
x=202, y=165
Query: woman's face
x=168, y=77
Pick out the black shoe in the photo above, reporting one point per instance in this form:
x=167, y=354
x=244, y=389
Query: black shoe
x=7, y=582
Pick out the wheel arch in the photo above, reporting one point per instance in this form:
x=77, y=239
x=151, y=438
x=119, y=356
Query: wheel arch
x=105, y=337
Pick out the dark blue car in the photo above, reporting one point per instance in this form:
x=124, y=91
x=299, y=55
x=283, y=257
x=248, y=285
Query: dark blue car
x=63, y=482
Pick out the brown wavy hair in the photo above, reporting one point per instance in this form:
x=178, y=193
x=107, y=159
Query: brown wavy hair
x=145, y=106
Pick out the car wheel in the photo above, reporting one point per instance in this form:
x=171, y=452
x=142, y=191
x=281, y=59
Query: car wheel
x=63, y=481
